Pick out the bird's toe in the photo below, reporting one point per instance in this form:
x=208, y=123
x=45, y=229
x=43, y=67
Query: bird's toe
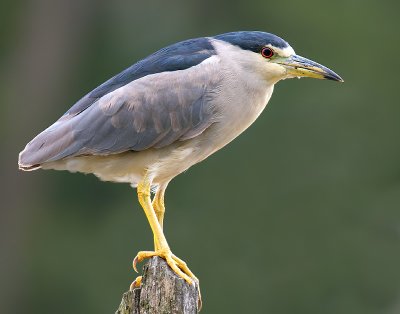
x=176, y=264
x=136, y=283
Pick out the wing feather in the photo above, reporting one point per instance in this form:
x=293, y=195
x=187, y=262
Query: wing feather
x=151, y=112
x=179, y=56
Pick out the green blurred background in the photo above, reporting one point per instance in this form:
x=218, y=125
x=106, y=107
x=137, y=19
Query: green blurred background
x=300, y=214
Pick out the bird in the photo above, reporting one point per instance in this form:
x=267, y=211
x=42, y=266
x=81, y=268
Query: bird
x=166, y=113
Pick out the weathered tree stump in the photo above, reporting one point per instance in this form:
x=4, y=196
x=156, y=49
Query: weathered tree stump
x=161, y=292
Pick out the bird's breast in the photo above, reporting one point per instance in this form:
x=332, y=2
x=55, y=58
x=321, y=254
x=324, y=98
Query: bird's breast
x=238, y=105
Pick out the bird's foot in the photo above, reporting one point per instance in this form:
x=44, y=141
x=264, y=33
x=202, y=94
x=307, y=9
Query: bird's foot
x=176, y=264
x=136, y=283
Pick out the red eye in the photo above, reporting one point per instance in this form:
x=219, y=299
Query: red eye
x=267, y=52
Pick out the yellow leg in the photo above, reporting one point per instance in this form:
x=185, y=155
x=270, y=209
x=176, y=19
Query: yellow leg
x=162, y=250
x=158, y=204
x=159, y=209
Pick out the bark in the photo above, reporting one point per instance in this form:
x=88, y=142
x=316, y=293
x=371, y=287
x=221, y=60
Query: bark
x=161, y=292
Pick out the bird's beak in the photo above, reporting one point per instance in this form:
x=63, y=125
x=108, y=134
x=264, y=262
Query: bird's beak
x=298, y=66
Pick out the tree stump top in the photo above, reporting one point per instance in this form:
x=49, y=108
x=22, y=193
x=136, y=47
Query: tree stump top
x=161, y=292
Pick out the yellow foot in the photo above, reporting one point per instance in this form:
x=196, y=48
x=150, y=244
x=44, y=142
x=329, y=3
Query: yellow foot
x=136, y=283
x=176, y=264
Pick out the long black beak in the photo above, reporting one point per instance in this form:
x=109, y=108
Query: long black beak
x=298, y=66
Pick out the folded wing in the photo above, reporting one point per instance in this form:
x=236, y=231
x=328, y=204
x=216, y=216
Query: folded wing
x=150, y=112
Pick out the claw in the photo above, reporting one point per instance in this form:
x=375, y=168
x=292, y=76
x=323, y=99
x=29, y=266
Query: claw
x=199, y=301
x=136, y=283
x=134, y=264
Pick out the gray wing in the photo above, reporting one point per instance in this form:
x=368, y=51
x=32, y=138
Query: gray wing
x=179, y=56
x=151, y=112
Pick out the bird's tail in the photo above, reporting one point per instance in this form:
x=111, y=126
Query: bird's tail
x=47, y=146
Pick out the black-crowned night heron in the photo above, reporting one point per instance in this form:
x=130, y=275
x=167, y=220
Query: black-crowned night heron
x=166, y=113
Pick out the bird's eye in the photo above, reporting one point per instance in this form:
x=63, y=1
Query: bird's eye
x=267, y=52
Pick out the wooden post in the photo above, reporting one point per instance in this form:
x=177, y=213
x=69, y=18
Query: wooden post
x=161, y=292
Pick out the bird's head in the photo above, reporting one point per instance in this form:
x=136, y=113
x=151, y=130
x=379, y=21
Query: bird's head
x=274, y=58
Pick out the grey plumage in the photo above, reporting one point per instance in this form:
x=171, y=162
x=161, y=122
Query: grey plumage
x=146, y=113
x=179, y=56
x=143, y=114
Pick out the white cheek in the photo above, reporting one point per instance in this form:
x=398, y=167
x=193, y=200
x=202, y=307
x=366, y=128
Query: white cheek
x=274, y=72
